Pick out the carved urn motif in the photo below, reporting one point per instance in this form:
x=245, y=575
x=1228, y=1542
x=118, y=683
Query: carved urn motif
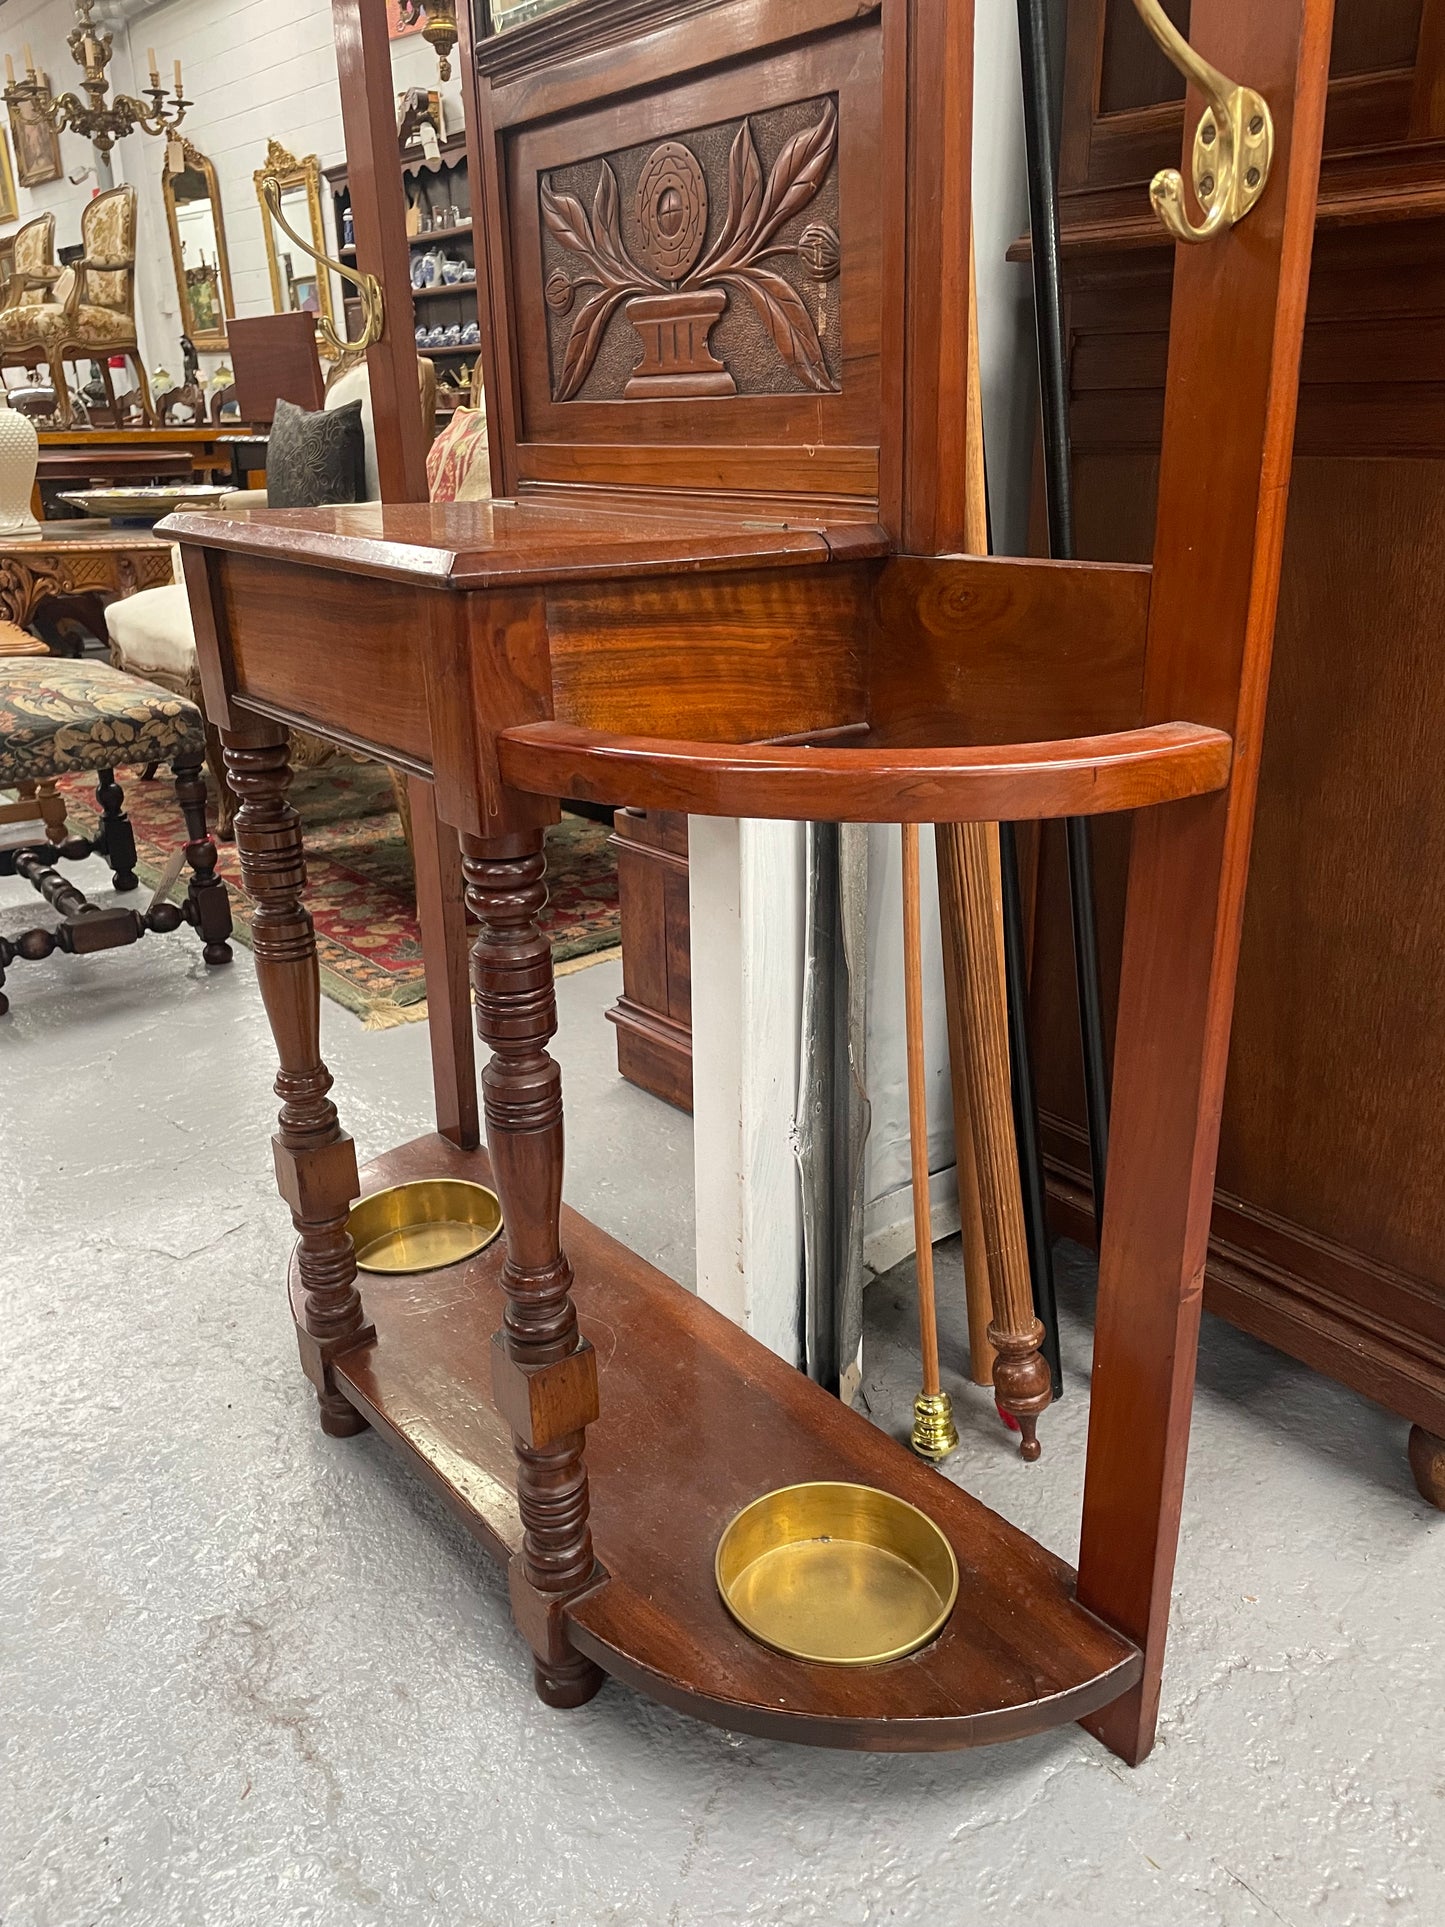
x=675, y=285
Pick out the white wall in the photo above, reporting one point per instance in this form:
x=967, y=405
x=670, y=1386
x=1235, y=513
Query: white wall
x=253, y=70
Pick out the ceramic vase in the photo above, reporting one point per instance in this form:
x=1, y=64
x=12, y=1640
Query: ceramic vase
x=19, y=459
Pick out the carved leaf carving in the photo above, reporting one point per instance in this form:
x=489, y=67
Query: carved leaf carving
x=566, y=219
x=608, y=232
x=752, y=220
x=585, y=339
x=788, y=322
x=798, y=173
x=745, y=196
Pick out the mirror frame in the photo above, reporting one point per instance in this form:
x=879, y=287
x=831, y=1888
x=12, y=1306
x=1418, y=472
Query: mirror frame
x=211, y=339
x=284, y=168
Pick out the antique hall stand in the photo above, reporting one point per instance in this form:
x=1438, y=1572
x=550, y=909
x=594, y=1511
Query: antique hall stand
x=750, y=605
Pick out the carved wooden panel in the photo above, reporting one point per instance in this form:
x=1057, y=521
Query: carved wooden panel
x=698, y=266
x=657, y=361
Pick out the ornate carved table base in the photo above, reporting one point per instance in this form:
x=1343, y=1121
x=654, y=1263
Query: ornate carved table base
x=77, y=559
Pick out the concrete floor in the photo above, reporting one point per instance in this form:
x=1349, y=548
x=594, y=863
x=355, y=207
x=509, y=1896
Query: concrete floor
x=255, y=1677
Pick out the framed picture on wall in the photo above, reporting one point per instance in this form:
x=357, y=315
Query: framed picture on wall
x=9, y=206
x=37, y=145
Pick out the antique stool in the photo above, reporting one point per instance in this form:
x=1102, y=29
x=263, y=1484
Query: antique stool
x=57, y=717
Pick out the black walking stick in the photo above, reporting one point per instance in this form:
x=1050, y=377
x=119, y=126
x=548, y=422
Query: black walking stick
x=1058, y=488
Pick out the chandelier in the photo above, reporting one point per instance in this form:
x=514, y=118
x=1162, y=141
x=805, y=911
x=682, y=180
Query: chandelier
x=95, y=119
x=440, y=30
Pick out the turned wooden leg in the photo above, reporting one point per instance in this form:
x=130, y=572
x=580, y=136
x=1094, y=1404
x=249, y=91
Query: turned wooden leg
x=1022, y=1382
x=544, y=1374
x=225, y=795
x=315, y=1158
x=115, y=840
x=1427, y=1462
x=45, y=794
x=208, y=907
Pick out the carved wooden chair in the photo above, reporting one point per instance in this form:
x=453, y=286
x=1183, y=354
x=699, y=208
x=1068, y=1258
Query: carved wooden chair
x=97, y=318
x=57, y=718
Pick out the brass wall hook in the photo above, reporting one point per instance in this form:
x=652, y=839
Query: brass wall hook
x=1233, y=144
x=373, y=308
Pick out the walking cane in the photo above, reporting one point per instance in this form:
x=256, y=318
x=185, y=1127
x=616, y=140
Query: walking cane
x=1058, y=489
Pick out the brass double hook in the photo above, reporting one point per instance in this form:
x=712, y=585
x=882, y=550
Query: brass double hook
x=1233, y=144
x=373, y=310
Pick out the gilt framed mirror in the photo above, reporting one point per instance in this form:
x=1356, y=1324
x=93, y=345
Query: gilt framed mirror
x=299, y=284
x=198, y=245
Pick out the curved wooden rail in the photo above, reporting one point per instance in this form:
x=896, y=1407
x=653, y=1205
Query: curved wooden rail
x=1010, y=782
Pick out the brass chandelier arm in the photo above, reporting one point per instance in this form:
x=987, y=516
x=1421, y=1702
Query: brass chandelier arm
x=1233, y=144
x=373, y=307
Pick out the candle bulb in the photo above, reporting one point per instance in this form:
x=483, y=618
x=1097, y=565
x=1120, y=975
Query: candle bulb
x=178, y=80
x=29, y=61
x=155, y=71
x=9, y=71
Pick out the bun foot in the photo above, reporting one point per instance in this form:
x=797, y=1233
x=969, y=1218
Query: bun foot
x=339, y=1419
x=1427, y=1462
x=217, y=953
x=572, y=1684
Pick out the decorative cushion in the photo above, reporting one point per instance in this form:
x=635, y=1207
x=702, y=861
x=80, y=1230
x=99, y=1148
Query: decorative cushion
x=57, y=716
x=354, y=385
x=456, y=456
x=151, y=633
x=314, y=459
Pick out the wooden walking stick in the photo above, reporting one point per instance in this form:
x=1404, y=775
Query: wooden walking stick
x=1023, y=1384
x=934, y=1433
x=965, y=1124
x=969, y=887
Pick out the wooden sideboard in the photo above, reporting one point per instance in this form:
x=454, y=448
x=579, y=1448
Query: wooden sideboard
x=1329, y=1223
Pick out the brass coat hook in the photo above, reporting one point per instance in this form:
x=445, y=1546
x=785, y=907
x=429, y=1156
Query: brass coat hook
x=1233, y=144
x=373, y=308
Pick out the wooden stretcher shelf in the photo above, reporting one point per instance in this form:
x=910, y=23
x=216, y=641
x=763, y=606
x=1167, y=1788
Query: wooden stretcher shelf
x=697, y=1419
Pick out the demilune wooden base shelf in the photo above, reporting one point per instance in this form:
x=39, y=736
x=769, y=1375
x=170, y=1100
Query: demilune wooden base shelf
x=697, y=1419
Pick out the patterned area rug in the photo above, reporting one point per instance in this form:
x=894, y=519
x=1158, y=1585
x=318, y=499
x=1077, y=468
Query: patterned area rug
x=360, y=888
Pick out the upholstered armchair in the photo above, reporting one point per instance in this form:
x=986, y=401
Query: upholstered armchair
x=33, y=283
x=97, y=318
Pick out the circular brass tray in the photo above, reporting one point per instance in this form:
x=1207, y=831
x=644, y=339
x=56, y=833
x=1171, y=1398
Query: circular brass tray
x=424, y=1225
x=842, y=1574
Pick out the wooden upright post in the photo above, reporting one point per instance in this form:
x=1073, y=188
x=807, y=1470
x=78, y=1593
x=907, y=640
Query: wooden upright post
x=1236, y=329
x=378, y=208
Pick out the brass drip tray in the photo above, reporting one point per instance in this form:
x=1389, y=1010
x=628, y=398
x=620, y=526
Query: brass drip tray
x=845, y=1575
x=424, y=1225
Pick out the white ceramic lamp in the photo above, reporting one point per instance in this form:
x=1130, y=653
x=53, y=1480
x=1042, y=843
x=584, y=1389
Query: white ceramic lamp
x=19, y=459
